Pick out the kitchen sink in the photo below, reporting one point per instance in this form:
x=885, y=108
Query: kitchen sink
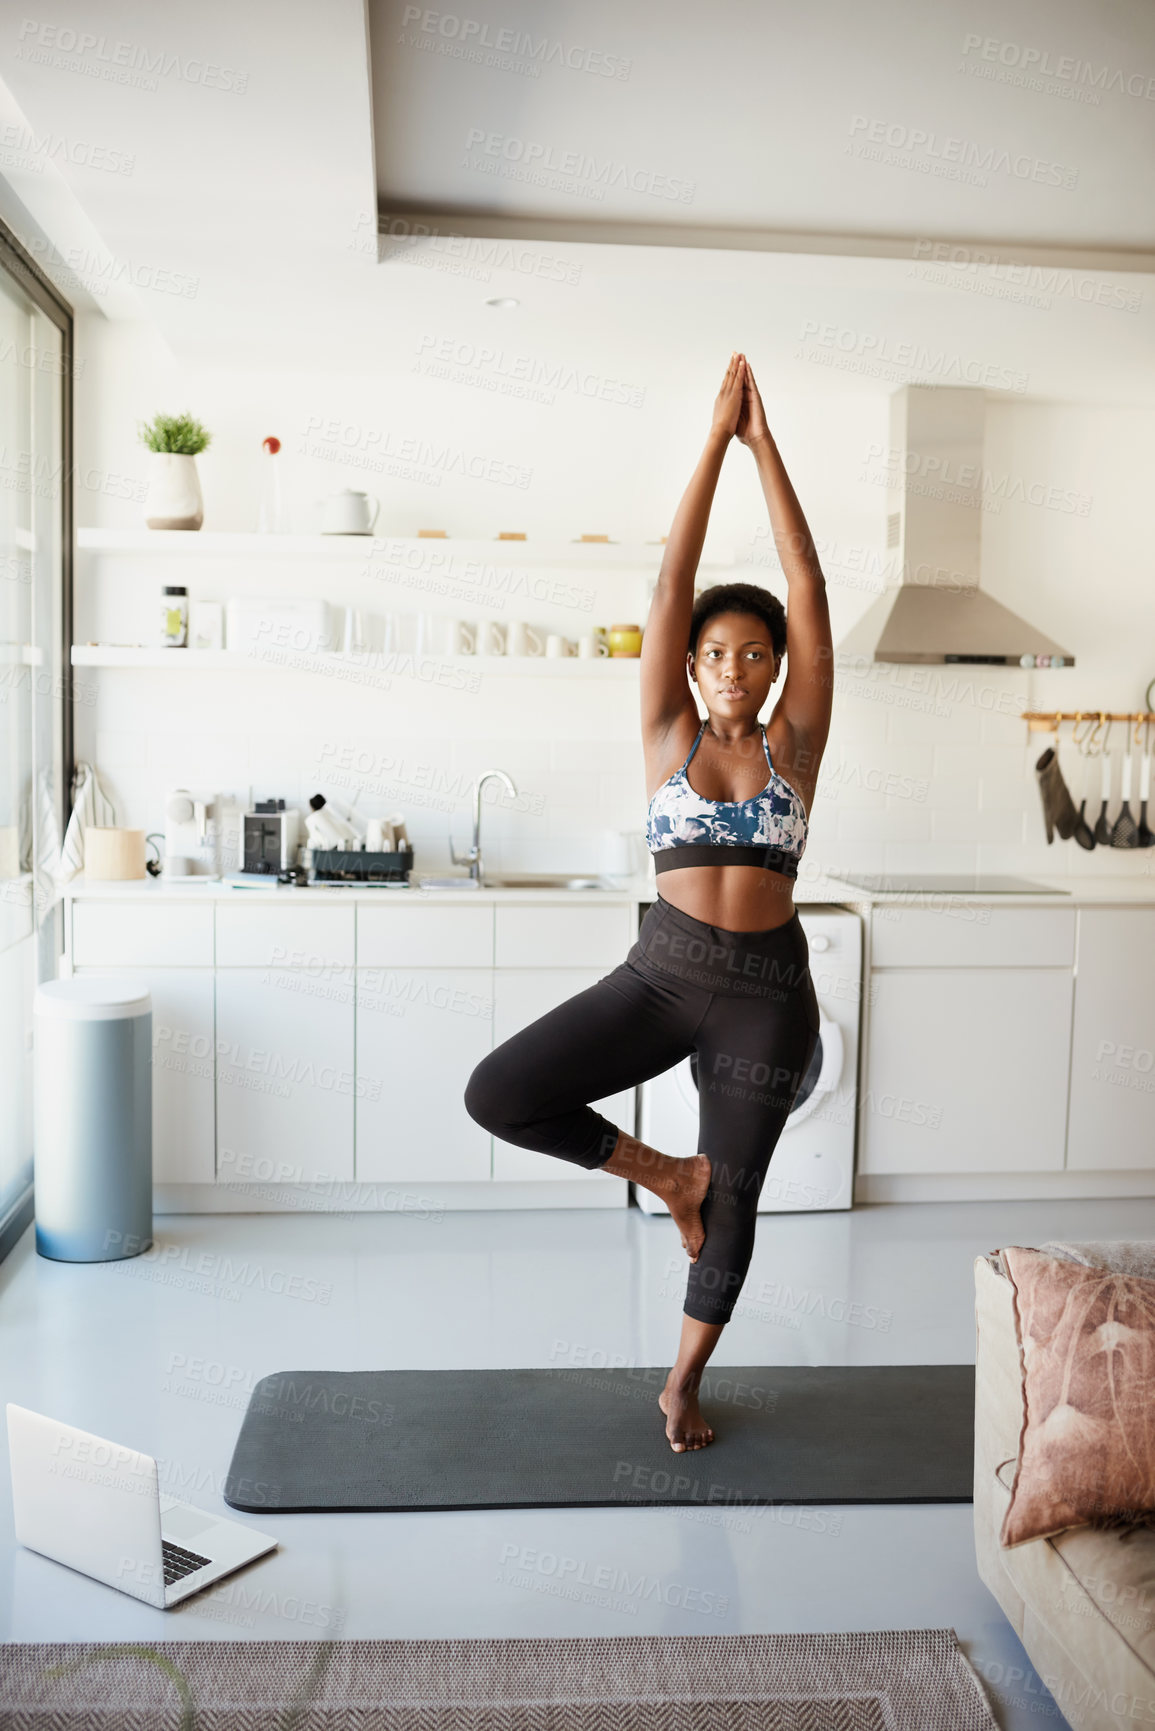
x=520, y=881
x=542, y=881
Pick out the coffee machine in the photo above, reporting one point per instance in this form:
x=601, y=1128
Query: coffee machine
x=190, y=834
x=270, y=837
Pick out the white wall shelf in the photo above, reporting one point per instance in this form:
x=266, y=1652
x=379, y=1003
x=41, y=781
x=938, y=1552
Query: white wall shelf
x=383, y=549
x=375, y=660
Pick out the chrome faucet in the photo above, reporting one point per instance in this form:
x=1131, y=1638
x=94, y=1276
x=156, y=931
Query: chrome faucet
x=473, y=858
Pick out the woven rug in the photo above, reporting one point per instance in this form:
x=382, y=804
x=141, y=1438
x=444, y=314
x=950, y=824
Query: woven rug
x=884, y=1680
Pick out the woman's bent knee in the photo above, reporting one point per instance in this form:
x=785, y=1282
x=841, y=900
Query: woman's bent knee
x=483, y=1095
x=496, y=1096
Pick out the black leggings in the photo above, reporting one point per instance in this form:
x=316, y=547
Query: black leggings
x=741, y=1005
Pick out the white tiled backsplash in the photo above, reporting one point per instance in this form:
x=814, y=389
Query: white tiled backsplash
x=926, y=768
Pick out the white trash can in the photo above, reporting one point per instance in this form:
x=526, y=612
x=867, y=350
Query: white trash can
x=93, y=1118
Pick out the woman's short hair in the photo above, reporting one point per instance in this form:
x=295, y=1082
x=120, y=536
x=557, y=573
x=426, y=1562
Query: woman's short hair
x=739, y=598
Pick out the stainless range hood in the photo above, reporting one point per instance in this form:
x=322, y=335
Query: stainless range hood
x=938, y=612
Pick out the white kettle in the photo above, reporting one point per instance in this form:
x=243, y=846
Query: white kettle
x=348, y=513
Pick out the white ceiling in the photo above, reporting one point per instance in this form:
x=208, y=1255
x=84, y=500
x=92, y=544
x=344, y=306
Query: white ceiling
x=755, y=116
x=259, y=200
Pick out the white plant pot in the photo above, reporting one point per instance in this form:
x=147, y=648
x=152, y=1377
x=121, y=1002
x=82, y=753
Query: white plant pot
x=174, y=492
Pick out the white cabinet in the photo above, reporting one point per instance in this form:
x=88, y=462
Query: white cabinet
x=284, y=935
x=285, y=1074
x=390, y=935
x=966, y=934
x=183, y=1113
x=1112, y=1116
x=555, y=935
x=420, y=1032
x=521, y=995
x=312, y=1041
x=966, y=1070
x=125, y=934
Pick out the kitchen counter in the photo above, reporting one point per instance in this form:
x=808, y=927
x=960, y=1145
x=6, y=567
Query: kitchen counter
x=274, y=1008
x=818, y=887
x=1131, y=891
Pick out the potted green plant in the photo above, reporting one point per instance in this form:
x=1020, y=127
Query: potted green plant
x=174, y=491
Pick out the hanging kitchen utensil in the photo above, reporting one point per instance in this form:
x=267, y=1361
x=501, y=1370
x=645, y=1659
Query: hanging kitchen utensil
x=1102, y=830
x=1058, y=807
x=1125, y=831
x=1083, y=832
x=1146, y=833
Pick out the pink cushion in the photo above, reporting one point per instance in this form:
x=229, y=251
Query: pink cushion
x=1087, y=1446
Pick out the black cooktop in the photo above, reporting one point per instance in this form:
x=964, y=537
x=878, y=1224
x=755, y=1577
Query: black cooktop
x=946, y=883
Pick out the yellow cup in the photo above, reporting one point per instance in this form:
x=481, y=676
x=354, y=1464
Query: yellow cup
x=625, y=640
x=112, y=855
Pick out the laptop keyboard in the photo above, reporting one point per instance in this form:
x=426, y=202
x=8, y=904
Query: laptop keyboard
x=178, y=1562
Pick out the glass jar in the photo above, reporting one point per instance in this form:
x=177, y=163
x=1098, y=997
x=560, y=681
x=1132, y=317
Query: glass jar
x=174, y=617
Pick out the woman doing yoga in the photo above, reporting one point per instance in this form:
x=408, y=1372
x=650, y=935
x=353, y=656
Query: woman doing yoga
x=720, y=971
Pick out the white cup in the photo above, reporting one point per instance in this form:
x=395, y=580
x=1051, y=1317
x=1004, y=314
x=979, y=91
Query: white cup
x=523, y=639
x=463, y=637
x=556, y=645
x=590, y=647
x=348, y=513
x=491, y=637
x=374, y=839
x=354, y=638
x=434, y=634
x=400, y=632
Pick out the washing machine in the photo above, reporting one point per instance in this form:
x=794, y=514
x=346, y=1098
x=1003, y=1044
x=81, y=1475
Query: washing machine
x=813, y=1164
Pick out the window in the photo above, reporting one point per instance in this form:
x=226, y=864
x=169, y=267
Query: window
x=35, y=690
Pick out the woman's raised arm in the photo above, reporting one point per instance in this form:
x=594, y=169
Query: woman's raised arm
x=808, y=689
x=665, y=688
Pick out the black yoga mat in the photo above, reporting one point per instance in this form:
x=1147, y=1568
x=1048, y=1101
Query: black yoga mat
x=492, y=1439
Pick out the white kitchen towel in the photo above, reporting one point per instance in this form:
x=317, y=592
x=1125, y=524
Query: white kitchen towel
x=91, y=809
x=46, y=856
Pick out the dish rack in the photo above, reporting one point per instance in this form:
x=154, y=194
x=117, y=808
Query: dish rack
x=333, y=865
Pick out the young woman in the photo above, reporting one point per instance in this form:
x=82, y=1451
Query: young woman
x=720, y=971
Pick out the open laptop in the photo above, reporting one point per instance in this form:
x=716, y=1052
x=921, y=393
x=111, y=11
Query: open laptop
x=96, y=1506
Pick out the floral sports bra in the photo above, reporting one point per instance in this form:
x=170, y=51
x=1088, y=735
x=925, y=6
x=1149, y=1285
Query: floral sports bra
x=684, y=829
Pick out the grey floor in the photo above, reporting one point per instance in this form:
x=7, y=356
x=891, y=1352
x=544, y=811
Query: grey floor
x=160, y=1352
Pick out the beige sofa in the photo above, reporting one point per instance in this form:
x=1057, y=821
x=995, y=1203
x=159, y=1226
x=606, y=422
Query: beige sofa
x=1083, y=1602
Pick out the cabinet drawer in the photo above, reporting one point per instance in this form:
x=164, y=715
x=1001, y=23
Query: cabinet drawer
x=560, y=935
x=431, y=936
x=966, y=1071
x=129, y=935
x=972, y=935
x=258, y=935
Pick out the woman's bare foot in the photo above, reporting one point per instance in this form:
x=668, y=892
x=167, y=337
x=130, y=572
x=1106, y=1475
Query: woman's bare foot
x=684, y=1192
x=685, y=1426
x=682, y=1184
